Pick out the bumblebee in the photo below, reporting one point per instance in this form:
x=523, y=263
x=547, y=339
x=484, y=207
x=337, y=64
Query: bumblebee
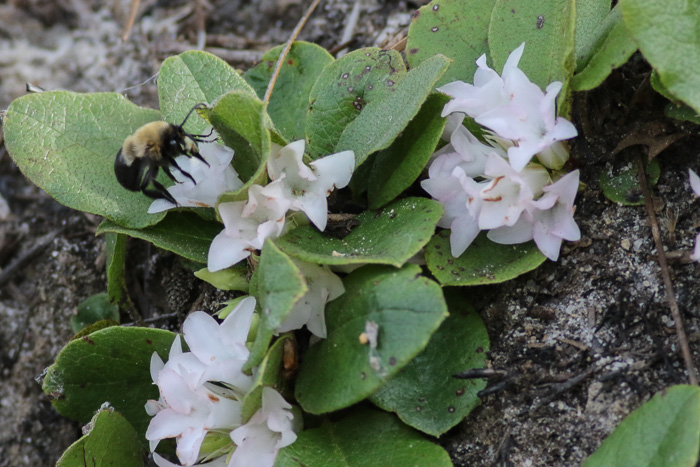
x=152, y=146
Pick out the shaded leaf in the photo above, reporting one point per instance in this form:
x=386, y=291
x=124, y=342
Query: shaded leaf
x=398, y=166
x=656, y=27
x=381, y=120
x=341, y=370
x=195, y=77
x=622, y=186
x=546, y=27
x=455, y=29
x=184, y=233
x=241, y=119
x=391, y=235
x=111, y=365
x=66, y=143
x=344, y=89
x=289, y=101
x=484, y=262
x=93, y=309
x=111, y=441
x=353, y=442
x=424, y=394
x=663, y=432
x=616, y=48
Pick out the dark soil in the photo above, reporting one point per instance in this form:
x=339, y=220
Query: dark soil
x=579, y=343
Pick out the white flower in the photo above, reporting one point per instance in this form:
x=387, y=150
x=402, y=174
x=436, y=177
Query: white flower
x=465, y=151
x=211, y=180
x=507, y=194
x=513, y=107
x=547, y=221
x=248, y=224
x=221, y=348
x=323, y=286
x=460, y=197
x=269, y=430
x=695, y=185
x=186, y=410
x=307, y=188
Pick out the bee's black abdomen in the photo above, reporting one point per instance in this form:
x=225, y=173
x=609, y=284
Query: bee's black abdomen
x=129, y=176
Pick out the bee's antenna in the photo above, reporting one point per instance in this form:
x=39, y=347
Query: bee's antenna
x=198, y=106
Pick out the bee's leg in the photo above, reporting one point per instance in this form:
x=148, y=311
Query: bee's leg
x=160, y=193
x=186, y=174
x=198, y=156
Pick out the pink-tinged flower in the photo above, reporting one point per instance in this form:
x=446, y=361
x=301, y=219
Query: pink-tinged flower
x=323, y=286
x=459, y=196
x=247, y=224
x=308, y=187
x=513, y=107
x=211, y=180
x=186, y=409
x=547, y=221
x=269, y=430
x=508, y=193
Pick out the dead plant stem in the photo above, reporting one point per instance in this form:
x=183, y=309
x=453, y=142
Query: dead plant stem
x=287, y=46
x=670, y=293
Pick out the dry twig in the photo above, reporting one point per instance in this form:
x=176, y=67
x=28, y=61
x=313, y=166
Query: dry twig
x=670, y=293
x=288, y=46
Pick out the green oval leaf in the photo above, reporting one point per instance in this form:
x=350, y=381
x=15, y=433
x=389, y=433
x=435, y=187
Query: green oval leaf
x=398, y=166
x=66, y=144
x=184, y=233
x=343, y=91
x=667, y=34
x=623, y=186
x=111, y=365
x=93, y=309
x=195, y=77
x=663, y=432
x=391, y=235
x=241, y=119
x=593, y=23
x=340, y=370
x=617, y=47
x=279, y=285
x=457, y=29
x=546, y=27
x=484, y=262
x=233, y=278
x=367, y=437
x=381, y=121
x=289, y=101
x=110, y=441
x=424, y=394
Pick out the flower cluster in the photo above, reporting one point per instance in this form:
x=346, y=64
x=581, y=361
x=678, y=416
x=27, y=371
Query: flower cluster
x=294, y=186
x=201, y=394
x=495, y=185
